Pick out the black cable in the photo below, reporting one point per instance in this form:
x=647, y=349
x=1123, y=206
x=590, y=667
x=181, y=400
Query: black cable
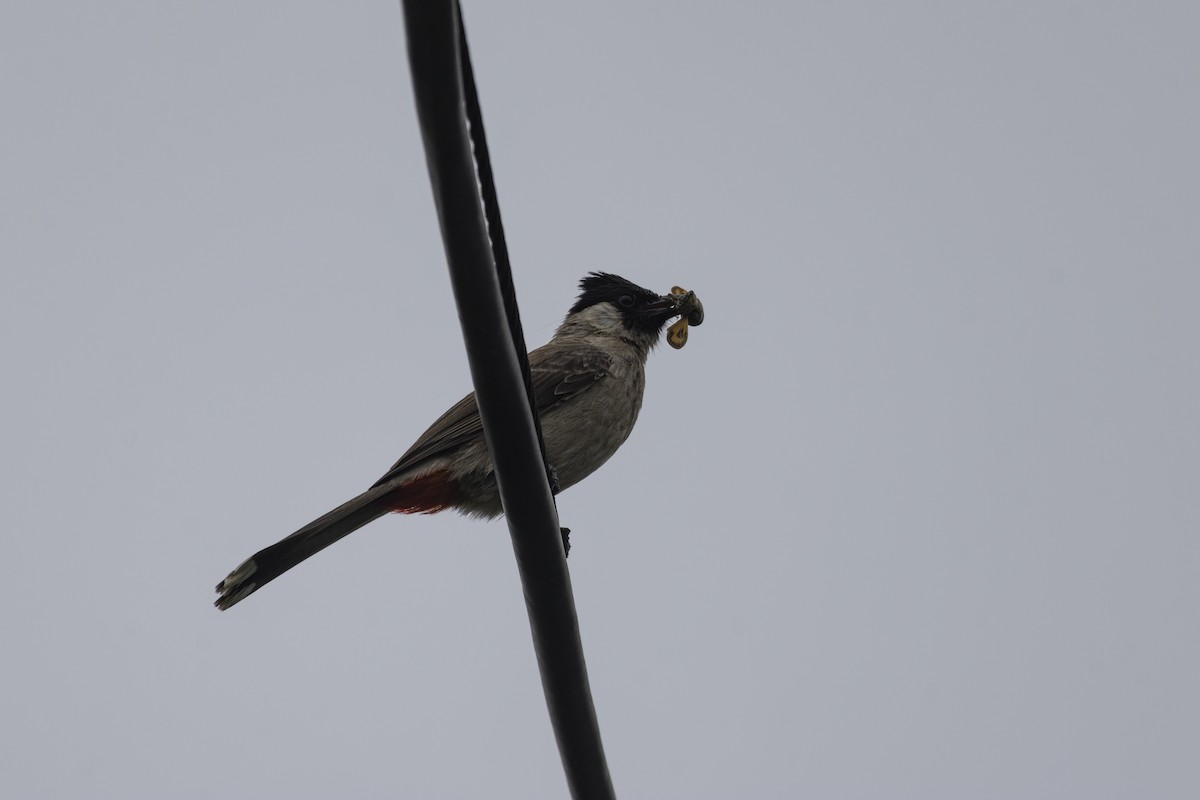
x=491, y=209
x=438, y=74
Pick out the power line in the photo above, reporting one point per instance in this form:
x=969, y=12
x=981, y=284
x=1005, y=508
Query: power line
x=444, y=88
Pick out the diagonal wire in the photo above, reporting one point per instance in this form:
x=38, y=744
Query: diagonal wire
x=439, y=71
x=491, y=210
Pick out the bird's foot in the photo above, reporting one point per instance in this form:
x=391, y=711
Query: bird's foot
x=566, y=536
x=552, y=476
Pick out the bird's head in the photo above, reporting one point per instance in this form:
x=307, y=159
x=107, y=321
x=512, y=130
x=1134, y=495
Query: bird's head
x=613, y=306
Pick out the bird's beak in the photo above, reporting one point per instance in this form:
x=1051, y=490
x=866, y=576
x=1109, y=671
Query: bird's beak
x=665, y=304
x=681, y=303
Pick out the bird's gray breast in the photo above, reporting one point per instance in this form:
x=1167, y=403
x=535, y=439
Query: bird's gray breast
x=584, y=431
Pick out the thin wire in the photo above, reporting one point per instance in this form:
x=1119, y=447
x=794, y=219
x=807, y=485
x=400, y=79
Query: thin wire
x=491, y=209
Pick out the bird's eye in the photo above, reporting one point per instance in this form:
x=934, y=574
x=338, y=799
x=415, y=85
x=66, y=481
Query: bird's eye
x=626, y=301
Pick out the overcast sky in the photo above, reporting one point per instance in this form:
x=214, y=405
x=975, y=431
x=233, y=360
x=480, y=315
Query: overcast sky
x=914, y=515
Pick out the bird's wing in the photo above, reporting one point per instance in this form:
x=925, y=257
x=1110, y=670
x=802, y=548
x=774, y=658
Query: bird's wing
x=559, y=372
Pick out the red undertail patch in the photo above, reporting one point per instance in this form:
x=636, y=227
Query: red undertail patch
x=426, y=494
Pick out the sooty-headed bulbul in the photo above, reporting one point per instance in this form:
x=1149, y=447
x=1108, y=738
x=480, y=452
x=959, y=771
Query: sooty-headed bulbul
x=587, y=382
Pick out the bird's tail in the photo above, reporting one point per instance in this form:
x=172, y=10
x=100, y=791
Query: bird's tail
x=268, y=564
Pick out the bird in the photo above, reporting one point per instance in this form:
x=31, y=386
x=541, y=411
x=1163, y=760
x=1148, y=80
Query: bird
x=588, y=382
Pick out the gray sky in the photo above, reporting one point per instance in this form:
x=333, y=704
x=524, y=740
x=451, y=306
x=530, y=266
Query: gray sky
x=914, y=515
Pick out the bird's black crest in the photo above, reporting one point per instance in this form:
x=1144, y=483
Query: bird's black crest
x=600, y=287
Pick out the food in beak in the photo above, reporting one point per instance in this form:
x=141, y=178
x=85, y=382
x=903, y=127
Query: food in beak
x=690, y=310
